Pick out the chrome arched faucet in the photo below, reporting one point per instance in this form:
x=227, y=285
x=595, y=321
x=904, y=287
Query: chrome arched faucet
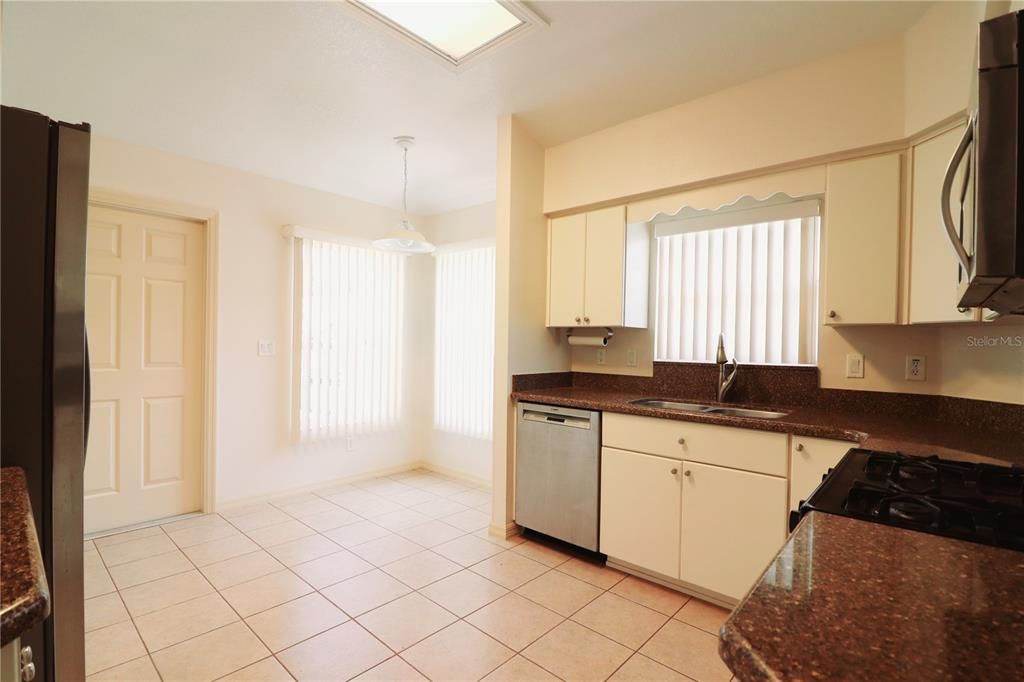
x=724, y=382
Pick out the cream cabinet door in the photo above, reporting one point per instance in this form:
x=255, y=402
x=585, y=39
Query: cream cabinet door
x=605, y=267
x=935, y=272
x=733, y=523
x=811, y=458
x=567, y=249
x=640, y=510
x=862, y=235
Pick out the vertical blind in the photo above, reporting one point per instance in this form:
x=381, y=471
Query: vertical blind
x=756, y=283
x=464, y=341
x=348, y=333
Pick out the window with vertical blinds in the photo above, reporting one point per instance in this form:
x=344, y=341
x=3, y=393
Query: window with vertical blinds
x=464, y=341
x=348, y=337
x=754, y=281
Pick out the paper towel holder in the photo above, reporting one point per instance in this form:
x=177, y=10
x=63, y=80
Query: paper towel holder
x=608, y=332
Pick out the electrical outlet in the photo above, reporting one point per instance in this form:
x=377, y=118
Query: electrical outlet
x=265, y=348
x=602, y=356
x=854, y=365
x=915, y=370
x=348, y=444
x=631, y=357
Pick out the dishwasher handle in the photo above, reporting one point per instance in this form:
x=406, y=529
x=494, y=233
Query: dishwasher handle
x=556, y=419
x=559, y=416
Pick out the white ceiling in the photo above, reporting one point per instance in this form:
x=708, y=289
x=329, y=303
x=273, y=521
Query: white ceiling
x=313, y=94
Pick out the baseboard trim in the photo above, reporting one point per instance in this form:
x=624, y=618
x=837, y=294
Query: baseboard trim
x=509, y=530
x=454, y=473
x=673, y=584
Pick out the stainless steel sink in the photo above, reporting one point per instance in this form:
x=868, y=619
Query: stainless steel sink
x=708, y=409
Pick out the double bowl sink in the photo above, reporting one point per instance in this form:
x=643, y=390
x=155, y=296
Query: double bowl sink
x=697, y=408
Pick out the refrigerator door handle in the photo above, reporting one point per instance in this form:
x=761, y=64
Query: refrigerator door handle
x=87, y=380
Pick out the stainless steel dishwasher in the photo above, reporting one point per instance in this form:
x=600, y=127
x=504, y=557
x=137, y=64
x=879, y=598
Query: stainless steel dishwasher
x=558, y=472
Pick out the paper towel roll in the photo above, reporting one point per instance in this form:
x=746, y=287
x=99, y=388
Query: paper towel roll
x=588, y=340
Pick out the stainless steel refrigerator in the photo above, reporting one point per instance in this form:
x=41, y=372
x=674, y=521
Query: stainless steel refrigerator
x=44, y=182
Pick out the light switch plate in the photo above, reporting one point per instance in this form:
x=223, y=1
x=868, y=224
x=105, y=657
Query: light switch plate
x=854, y=365
x=631, y=357
x=915, y=368
x=265, y=348
x=602, y=356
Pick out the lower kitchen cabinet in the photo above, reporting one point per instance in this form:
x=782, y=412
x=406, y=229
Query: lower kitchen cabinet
x=640, y=509
x=809, y=461
x=733, y=523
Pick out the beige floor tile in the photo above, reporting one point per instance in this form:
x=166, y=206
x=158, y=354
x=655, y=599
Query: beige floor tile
x=186, y=537
x=88, y=546
x=232, y=513
x=265, y=592
x=357, y=533
x=703, y=615
x=193, y=522
x=472, y=498
x=400, y=519
x=110, y=646
x=412, y=497
x=370, y=506
x=269, y=516
x=468, y=549
x=138, y=670
x=386, y=549
x=103, y=611
x=405, y=621
x=208, y=553
x=335, y=518
x=293, y=499
x=153, y=568
x=431, y=533
x=392, y=670
x=337, y=654
x=519, y=669
x=444, y=488
x=463, y=592
x=469, y=520
x=620, y=619
x=305, y=549
x=504, y=543
x=648, y=594
x=421, y=569
x=509, y=569
x=688, y=650
x=440, y=507
x=314, y=505
x=365, y=592
x=541, y=553
x=268, y=536
x=642, y=669
x=460, y=652
x=559, y=592
x=352, y=497
x=241, y=568
x=96, y=579
x=211, y=655
x=177, y=623
x=294, y=621
x=267, y=670
x=123, y=552
x=332, y=568
x=127, y=536
x=159, y=594
x=514, y=620
x=573, y=652
x=595, y=574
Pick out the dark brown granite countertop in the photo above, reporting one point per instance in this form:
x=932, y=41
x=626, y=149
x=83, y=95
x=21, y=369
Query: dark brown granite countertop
x=879, y=429
x=852, y=600
x=24, y=594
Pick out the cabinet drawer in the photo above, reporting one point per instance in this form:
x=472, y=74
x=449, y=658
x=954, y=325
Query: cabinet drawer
x=761, y=451
x=811, y=459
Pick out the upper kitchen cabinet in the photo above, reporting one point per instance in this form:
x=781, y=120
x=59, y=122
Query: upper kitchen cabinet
x=935, y=273
x=598, y=270
x=862, y=240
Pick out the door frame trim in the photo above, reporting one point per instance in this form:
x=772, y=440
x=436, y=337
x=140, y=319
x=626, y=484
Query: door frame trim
x=209, y=219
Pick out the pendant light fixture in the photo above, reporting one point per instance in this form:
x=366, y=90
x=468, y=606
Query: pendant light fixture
x=404, y=238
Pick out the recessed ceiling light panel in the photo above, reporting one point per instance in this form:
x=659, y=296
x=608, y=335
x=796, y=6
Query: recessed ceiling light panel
x=454, y=31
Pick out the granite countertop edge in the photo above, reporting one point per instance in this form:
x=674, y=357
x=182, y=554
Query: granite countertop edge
x=24, y=590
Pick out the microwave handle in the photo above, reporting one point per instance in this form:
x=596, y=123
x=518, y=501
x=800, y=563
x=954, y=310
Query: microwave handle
x=947, y=191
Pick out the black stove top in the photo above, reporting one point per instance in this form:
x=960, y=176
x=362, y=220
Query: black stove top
x=976, y=502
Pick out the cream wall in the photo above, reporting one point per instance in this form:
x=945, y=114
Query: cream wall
x=254, y=456
x=522, y=344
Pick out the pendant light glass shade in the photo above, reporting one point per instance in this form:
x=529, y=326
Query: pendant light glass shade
x=404, y=238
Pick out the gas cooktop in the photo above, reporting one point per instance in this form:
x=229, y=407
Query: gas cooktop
x=976, y=502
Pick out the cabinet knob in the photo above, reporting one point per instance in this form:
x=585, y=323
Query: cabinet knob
x=682, y=441
x=587, y=320
x=686, y=473
x=26, y=655
x=799, y=447
x=832, y=313
x=577, y=320
x=675, y=471
x=28, y=672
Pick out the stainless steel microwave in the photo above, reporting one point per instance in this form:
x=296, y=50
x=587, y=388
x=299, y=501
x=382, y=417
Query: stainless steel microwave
x=993, y=144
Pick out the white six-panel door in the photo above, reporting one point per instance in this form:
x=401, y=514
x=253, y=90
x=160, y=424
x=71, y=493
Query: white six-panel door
x=145, y=290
